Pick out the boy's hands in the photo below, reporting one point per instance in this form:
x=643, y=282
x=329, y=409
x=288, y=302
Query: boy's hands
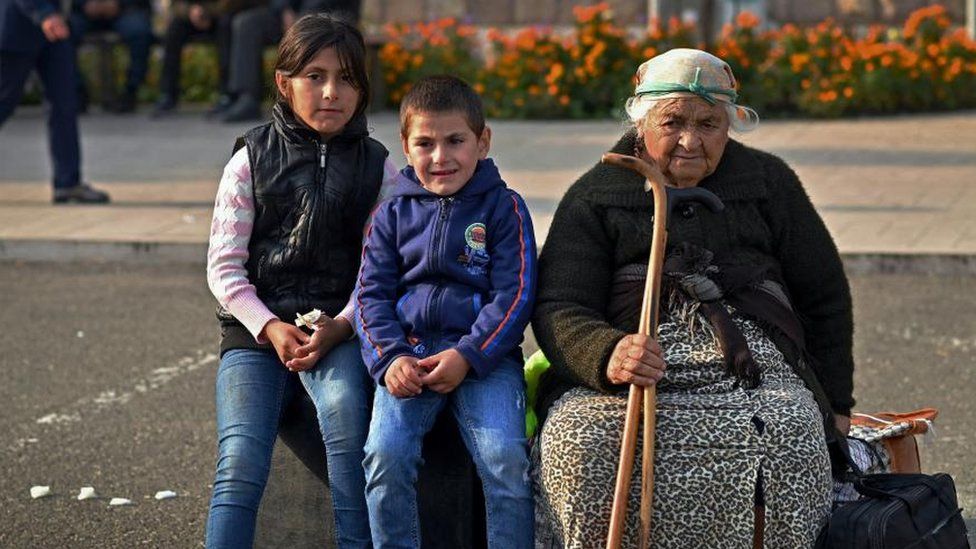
x=286, y=338
x=330, y=332
x=402, y=378
x=446, y=370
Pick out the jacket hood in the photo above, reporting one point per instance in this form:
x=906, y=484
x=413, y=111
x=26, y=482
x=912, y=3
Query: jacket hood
x=294, y=130
x=484, y=179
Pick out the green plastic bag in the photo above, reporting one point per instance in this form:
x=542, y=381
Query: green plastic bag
x=534, y=366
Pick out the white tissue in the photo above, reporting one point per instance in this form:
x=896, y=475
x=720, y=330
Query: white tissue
x=165, y=494
x=86, y=492
x=120, y=501
x=40, y=491
x=309, y=319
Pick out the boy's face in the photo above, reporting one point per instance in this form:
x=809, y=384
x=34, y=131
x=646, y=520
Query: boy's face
x=443, y=150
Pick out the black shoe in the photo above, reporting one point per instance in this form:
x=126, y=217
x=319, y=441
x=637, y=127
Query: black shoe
x=244, y=109
x=80, y=193
x=223, y=103
x=165, y=106
x=124, y=104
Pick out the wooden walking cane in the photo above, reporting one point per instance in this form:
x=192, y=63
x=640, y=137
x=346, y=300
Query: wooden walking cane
x=665, y=198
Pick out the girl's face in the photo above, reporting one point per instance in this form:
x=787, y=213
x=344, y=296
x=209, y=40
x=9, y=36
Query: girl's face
x=321, y=94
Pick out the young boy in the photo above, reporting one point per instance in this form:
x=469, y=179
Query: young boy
x=444, y=294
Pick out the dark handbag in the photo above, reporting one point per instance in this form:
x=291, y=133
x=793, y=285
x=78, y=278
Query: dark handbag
x=910, y=511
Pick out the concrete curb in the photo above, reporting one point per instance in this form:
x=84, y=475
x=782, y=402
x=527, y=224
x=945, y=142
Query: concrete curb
x=80, y=250
x=194, y=252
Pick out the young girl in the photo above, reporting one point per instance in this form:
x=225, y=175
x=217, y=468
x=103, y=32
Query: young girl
x=286, y=239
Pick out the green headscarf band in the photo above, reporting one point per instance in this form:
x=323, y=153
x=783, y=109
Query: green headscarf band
x=663, y=88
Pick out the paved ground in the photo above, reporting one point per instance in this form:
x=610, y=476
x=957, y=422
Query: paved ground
x=900, y=185
x=109, y=382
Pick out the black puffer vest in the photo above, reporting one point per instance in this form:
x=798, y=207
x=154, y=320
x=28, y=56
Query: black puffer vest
x=311, y=200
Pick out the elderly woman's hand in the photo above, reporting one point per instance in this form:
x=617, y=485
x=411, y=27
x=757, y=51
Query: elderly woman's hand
x=636, y=359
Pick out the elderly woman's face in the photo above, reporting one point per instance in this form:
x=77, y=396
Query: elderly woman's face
x=686, y=138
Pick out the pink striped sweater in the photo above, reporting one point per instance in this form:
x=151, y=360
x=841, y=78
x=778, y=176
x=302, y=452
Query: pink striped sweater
x=230, y=233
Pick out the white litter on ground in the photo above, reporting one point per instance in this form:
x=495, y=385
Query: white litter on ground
x=59, y=418
x=80, y=334
x=120, y=501
x=86, y=492
x=165, y=494
x=40, y=491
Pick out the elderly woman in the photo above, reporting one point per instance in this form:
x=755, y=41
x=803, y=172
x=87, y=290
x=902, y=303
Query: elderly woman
x=753, y=360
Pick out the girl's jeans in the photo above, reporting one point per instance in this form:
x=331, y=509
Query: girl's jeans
x=491, y=415
x=253, y=388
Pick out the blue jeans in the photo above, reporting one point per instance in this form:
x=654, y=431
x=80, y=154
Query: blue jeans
x=252, y=390
x=491, y=415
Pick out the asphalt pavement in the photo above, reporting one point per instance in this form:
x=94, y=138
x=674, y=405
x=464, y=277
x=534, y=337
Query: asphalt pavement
x=109, y=371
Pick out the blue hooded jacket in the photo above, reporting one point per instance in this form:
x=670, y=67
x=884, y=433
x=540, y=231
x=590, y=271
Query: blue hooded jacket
x=447, y=271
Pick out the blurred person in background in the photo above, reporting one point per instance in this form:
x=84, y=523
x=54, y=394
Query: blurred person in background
x=35, y=36
x=207, y=20
x=257, y=28
x=132, y=20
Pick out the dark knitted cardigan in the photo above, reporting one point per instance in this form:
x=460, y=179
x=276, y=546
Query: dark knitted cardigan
x=605, y=222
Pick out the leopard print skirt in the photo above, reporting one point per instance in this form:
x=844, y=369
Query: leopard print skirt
x=718, y=448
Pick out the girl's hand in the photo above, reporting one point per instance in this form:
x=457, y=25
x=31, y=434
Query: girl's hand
x=636, y=359
x=330, y=332
x=447, y=370
x=286, y=338
x=402, y=378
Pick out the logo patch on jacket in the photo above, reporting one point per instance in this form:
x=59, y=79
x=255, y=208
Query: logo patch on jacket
x=475, y=255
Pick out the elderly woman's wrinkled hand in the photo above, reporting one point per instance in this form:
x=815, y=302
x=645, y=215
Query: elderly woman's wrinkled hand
x=636, y=359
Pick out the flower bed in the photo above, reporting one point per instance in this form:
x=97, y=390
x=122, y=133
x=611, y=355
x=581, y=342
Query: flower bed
x=820, y=71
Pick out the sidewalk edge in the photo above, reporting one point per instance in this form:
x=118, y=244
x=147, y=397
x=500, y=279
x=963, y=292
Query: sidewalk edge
x=192, y=252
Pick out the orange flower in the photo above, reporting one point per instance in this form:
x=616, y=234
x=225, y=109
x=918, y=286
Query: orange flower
x=798, y=61
x=805, y=83
x=848, y=92
x=747, y=20
x=846, y=63
x=553, y=89
x=564, y=100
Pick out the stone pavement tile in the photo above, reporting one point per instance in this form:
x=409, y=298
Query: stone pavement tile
x=45, y=222
x=942, y=237
x=893, y=184
x=122, y=193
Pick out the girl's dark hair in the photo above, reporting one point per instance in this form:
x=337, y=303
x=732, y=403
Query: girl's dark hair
x=310, y=35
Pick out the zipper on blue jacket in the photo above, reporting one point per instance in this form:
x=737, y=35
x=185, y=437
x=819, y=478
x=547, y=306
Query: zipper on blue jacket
x=437, y=254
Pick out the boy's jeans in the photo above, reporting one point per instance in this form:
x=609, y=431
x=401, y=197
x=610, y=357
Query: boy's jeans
x=491, y=415
x=253, y=388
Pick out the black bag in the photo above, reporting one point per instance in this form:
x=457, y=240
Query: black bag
x=910, y=511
